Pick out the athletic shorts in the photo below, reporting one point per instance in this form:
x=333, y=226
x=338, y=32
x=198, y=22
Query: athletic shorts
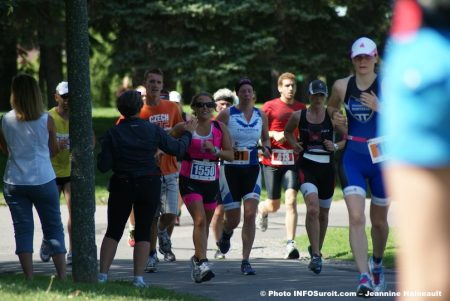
x=355, y=169
x=319, y=178
x=62, y=181
x=169, y=194
x=194, y=190
x=244, y=183
x=275, y=177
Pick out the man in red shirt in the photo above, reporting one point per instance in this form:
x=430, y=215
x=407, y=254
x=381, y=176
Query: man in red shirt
x=280, y=169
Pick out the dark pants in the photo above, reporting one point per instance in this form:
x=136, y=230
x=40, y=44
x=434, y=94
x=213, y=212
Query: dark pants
x=143, y=194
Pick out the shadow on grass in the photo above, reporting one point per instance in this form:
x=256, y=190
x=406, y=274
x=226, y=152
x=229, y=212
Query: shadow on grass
x=14, y=286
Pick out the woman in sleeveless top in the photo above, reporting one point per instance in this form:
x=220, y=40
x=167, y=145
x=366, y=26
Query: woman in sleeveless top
x=28, y=136
x=199, y=178
x=247, y=125
x=358, y=93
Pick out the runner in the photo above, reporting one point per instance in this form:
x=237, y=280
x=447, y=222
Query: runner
x=247, y=125
x=359, y=93
x=279, y=170
x=199, y=178
x=316, y=165
x=224, y=98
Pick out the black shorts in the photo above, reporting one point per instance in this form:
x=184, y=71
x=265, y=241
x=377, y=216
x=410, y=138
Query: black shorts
x=244, y=183
x=277, y=176
x=321, y=175
x=62, y=181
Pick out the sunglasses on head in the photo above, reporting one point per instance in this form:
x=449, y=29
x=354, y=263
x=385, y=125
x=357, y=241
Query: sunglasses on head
x=65, y=96
x=204, y=104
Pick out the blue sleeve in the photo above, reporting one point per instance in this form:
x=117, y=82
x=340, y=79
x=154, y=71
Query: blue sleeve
x=171, y=145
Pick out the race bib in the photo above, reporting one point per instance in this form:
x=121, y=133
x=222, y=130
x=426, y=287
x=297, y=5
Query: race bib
x=282, y=157
x=241, y=156
x=203, y=170
x=376, y=149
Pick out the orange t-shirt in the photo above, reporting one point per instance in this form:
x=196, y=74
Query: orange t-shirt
x=166, y=114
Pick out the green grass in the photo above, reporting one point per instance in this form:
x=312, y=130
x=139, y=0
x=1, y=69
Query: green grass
x=337, y=246
x=15, y=288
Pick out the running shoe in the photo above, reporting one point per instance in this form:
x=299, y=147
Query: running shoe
x=131, y=241
x=140, y=283
x=219, y=255
x=315, y=264
x=165, y=245
x=246, y=268
x=201, y=272
x=168, y=256
x=151, y=263
x=102, y=277
x=69, y=258
x=224, y=242
x=46, y=251
x=291, y=251
x=365, y=285
x=262, y=222
x=377, y=273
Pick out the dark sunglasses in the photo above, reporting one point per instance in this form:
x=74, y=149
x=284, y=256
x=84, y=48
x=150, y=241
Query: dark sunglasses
x=209, y=105
x=65, y=96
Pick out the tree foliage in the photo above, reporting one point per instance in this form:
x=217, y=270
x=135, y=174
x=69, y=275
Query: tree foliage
x=212, y=43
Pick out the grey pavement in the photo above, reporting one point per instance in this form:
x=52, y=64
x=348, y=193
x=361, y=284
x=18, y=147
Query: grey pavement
x=275, y=276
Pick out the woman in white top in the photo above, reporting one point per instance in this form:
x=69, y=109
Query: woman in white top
x=28, y=137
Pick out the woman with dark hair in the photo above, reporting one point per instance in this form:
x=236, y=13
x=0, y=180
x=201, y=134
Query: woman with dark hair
x=247, y=125
x=28, y=136
x=199, y=177
x=129, y=150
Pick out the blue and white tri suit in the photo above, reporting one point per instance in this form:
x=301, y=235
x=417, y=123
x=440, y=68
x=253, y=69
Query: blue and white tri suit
x=356, y=164
x=242, y=174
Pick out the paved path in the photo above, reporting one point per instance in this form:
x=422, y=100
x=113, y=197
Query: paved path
x=274, y=275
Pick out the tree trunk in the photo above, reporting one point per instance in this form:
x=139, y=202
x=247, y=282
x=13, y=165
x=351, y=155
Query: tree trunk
x=8, y=68
x=50, y=70
x=82, y=177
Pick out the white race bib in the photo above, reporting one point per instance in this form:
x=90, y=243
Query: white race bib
x=282, y=157
x=203, y=170
x=376, y=149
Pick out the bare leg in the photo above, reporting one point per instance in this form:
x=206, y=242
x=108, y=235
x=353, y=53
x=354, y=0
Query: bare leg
x=424, y=226
x=26, y=261
x=140, y=255
x=107, y=253
x=358, y=238
x=248, y=228
x=291, y=213
x=312, y=221
x=59, y=260
x=380, y=229
x=323, y=221
x=199, y=235
x=269, y=206
x=217, y=222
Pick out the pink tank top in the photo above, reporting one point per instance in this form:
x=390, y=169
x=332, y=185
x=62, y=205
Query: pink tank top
x=198, y=163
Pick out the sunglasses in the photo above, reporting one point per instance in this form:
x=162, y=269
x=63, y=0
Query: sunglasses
x=65, y=96
x=209, y=105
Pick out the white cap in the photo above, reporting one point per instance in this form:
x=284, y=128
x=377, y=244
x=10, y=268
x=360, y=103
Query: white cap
x=174, y=96
x=364, y=46
x=62, y=88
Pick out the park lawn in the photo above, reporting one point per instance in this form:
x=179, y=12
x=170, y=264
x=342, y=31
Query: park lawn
x=16, y=288
x=337, y=247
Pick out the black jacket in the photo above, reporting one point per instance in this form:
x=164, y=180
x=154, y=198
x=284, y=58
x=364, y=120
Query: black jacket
x=129, y=148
